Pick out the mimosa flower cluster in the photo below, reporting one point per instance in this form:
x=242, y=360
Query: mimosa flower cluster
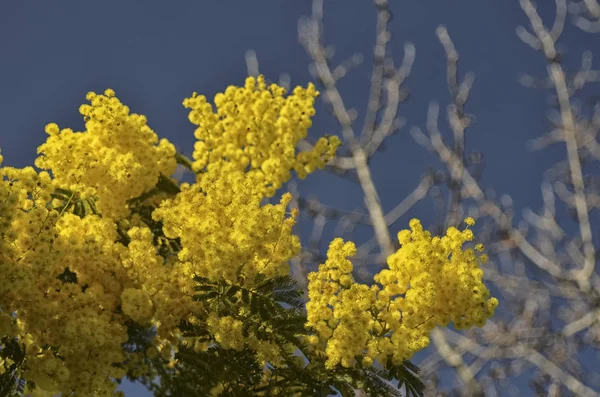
x=72, y=327
x=256, y=129
x=115, y=158
x=74, y=277
x=221, y=231
x=431, y=281
x=71, y=335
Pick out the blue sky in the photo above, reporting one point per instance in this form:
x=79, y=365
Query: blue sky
x=155, y=53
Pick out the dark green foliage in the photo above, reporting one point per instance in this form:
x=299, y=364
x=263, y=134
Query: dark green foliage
x=67, y=276
x=270, y=308
x=407, y=376
x=196, y=373
x=11, y=385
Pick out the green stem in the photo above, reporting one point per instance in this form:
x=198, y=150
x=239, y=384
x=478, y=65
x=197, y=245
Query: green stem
x=66, y=205
x=167, y=185
x=184, y=160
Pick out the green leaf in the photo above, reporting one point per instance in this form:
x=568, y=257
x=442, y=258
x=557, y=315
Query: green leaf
x=232, y=290
x=205, y=296
x=406, y=374
x=245, y=296
x=204, y=288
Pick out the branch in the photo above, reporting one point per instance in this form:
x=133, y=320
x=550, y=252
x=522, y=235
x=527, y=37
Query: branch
x=311, y=37
x=557, y=74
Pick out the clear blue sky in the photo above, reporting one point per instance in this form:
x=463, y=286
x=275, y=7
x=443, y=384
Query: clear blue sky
x=155, y=53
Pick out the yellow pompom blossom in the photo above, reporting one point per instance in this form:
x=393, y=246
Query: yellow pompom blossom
x=73, y=324
x=227, y=331
x=220, y=231
x=215, y=391
x=155, y=292
x=430, y=282
x=256, y=129
x=80, y=317
x=267, y=351
x=136, y=303
x=48, y=372
x=116, y=158
x=219, y=220
x=79, y=323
